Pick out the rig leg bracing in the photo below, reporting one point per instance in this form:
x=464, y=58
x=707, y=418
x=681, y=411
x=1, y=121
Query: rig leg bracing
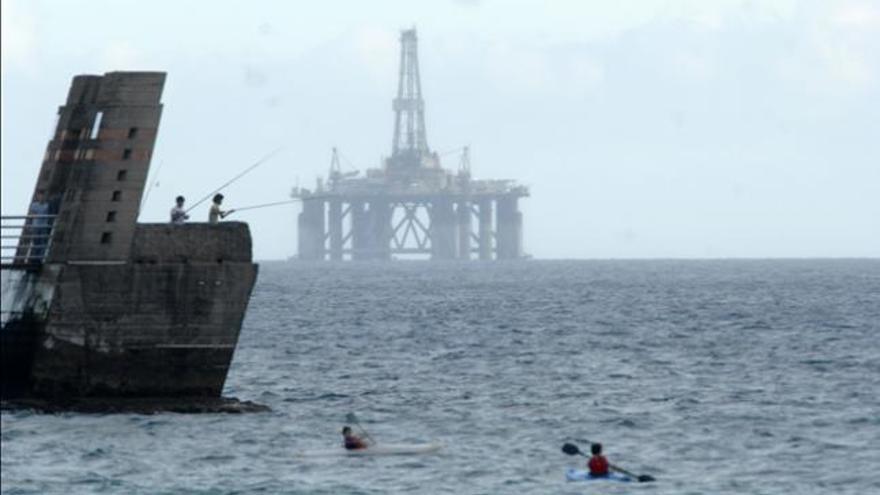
x=435, y=227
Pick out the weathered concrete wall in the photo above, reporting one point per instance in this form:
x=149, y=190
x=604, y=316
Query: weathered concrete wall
x=129, y=310
x=142, y=329
x=27, y=296
x=194, y=242
x=96, y=164
x=164, y=324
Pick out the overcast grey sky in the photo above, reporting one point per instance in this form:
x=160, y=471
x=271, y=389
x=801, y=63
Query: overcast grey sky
x=644, y=128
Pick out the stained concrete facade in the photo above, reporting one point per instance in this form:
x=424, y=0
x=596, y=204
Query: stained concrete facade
x=95, y=167
x=164, y=323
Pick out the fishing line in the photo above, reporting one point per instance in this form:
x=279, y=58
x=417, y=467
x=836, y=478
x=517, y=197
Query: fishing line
x=266, y=205
x=230, y=181
x=150, y=187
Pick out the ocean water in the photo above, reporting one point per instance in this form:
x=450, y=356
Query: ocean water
x=715, y=377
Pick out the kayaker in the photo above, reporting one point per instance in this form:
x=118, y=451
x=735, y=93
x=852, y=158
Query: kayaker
x=352, y=441
x=598, y=464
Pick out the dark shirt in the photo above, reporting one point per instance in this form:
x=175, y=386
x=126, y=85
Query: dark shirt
x=354, y=443
x=39, y=208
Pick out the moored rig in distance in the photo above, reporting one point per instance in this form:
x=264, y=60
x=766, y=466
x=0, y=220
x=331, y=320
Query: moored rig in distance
x=411, y=206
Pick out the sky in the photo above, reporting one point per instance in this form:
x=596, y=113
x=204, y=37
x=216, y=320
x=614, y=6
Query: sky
x=643, y=128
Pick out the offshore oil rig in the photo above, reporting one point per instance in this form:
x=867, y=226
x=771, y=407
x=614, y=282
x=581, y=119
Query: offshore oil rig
x=411, y=206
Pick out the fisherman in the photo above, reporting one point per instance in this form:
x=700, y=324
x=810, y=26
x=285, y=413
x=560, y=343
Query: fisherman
x=178, y=214
x=598, y=464
x=352, y=441
x=216, y=213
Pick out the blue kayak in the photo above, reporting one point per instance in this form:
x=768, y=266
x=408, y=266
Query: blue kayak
x=572, y=474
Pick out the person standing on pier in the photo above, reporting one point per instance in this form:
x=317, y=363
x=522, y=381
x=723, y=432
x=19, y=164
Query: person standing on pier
x=38, y=214
x=215, y=214
x=178, y=214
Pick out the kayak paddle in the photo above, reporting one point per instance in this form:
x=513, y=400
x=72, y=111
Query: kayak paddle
x=572, y=449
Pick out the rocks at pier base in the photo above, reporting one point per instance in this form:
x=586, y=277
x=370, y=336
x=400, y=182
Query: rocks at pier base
x=95, y=405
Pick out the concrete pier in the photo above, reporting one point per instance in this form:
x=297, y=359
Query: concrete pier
x=112, y=309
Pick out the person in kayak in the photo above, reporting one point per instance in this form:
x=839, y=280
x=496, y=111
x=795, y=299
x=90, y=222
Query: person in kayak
x=598, y=464
x=352, y=441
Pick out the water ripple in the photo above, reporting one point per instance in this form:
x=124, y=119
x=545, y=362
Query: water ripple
x=715, y=377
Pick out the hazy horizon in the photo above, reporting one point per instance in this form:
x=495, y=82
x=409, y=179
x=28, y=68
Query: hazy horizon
x=644, y=129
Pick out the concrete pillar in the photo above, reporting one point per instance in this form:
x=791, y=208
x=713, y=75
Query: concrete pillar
x=443, y=230
x=509, y=228
x=335, y=228
x=485, y=229
x=464, y=230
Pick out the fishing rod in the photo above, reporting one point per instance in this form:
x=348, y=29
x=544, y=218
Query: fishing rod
x=255, y=165
x=266, y=205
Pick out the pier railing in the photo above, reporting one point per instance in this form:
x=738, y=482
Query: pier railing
x=26, y=239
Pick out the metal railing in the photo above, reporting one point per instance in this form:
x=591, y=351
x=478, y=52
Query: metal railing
x=26, y=239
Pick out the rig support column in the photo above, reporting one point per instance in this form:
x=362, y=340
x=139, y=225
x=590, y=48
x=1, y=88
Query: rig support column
x=360, y=230
x=380, y=230
x=464, y=230
x=311, y=230
x=509, y=228
x=443, y=246
x=485, y=229
x=335, y=227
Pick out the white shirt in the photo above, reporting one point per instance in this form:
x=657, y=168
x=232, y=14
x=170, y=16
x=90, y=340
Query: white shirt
x=178, y=215
x=215, y=214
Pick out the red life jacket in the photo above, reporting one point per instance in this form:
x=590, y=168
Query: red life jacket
x=598, y=465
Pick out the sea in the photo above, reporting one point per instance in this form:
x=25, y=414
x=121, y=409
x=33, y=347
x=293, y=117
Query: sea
x=712, y=376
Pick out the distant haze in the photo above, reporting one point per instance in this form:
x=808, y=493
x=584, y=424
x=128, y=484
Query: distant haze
x=643, y=128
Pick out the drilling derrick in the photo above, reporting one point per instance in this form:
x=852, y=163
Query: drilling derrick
x=410, y=143
x=411, y=205
x=411, y=160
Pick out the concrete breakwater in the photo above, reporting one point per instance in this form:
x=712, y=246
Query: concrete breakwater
x=100, y=312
